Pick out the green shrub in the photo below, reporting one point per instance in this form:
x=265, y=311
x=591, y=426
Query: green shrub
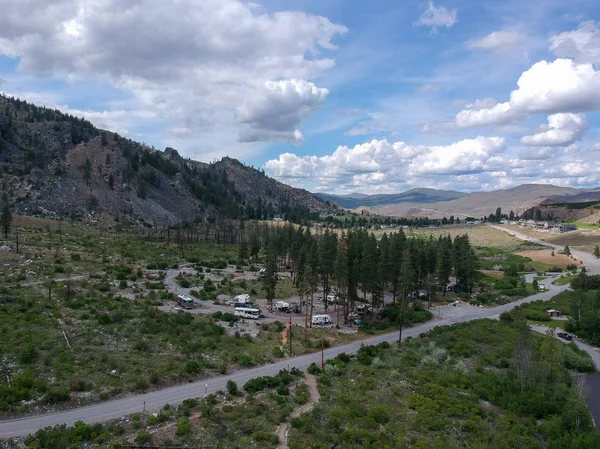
x=232, y=388
x=183, y=426
x=314, y=369
x=56, y=395
x=143, y=437
x=192, y=367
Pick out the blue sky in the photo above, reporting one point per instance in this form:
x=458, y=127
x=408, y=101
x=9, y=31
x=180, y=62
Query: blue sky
x=337, y=95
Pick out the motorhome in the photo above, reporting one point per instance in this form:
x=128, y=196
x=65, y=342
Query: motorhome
x=247, y=312
x=185, y=302
x=321, y=320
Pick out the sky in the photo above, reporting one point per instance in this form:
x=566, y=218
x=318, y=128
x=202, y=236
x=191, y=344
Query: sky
x=337, y=96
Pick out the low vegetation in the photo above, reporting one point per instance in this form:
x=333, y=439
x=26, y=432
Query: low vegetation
x=478, y=385
x=482, y=384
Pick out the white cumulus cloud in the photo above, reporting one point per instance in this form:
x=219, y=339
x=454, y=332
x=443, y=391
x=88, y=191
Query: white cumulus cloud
x=370, y=164
x=437, y=16
x=562, y=129
x=582, y=44
x=499, y=114
x=547, y=87
x=184, y=60
x=276, y=111
x=498, y=41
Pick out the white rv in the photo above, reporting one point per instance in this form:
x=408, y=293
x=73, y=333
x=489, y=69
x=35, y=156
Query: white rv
x=321, y=320
x=185, y=301
x=247, y=312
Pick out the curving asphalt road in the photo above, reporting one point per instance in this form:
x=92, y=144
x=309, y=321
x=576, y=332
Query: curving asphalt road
x=155, y=400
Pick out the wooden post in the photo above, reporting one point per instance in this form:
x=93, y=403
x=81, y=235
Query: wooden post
x=322, y=353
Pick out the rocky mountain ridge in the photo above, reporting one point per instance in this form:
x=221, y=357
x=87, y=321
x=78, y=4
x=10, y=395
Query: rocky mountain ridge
x=56, y=165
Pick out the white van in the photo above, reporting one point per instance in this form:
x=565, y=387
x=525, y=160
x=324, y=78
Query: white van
x=321, y=320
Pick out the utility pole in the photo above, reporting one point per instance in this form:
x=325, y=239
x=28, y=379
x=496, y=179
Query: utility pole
x=305, y=322
x=290, y=333
x=401, y=321
x=69, y=287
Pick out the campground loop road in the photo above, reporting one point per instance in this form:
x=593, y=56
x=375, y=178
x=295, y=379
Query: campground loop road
x=155, y=400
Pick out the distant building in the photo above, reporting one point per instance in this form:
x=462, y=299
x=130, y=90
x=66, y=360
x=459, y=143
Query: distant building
x=553, y=313
x=567, y=227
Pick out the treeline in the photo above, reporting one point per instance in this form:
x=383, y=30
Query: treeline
x=356, y=266
x=585, y=308
x=377, y=222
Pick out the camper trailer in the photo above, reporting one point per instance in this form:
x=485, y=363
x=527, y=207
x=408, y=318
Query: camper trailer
x=242, y=300
x=321, y=320
x=282, y=306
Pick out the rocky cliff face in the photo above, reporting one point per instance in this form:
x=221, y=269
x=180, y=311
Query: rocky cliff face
x=58, y=165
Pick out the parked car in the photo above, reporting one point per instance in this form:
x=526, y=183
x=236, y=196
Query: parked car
x=565, y=336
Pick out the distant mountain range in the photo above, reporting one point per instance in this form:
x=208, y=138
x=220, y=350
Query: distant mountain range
x=413, y=196
x=439, y=203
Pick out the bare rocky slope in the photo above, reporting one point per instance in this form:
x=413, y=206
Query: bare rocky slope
x=57, y=165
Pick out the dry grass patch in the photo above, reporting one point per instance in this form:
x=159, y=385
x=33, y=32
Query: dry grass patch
x=493, y=273
x=478, y=235
x=546, y=257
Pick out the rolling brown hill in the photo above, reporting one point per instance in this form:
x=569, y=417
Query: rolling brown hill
x=518, y=199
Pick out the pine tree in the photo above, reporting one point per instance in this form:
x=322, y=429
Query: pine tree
x=567, y=250
x=406, y=282
x=87, y=170
x=254, y=246
x=243, y=252
x=443, y=267
x=341, y=275
x=597, y=251
x=5, y=216
x=269, y=280
x=327, y=255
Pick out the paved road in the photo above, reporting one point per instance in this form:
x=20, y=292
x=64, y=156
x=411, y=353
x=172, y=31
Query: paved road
x=155, y=400
x=591, y=263
x=595, y=355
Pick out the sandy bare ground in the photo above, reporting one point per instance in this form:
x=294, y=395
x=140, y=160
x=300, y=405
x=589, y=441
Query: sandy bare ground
x=282, y=430
x=583, y=240
x=545, y=256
